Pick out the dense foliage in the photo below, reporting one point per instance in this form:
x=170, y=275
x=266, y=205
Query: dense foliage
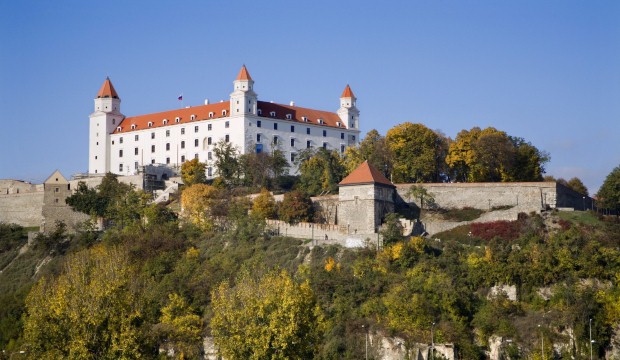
x=609, y=193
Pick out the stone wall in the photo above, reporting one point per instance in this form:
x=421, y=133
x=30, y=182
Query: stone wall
x=324, y=234
x=22, y=208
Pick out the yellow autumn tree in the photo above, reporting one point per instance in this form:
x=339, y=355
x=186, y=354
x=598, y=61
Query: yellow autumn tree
x=197, y=203
x=90, y=311
x=271, y=317
x=181, y=327
x=417, y=153
x=264, y=205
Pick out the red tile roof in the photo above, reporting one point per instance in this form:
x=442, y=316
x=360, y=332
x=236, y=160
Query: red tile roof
x=107, y=90
x=366, y=174
x=297, y=115
x=244, y=74
x=347, y=93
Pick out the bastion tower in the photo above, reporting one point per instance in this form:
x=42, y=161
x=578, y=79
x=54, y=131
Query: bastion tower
x=103, y=121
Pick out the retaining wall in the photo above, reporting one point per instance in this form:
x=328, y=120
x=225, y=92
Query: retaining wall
x=24, y=209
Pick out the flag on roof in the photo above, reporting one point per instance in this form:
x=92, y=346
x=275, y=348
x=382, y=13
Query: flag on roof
x=180, y=97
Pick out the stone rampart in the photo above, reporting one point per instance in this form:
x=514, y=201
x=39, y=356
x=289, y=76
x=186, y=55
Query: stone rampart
x=24, y=208
x=323, y=234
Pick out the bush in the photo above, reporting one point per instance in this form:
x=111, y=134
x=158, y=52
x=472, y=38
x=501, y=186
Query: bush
x=507, y=230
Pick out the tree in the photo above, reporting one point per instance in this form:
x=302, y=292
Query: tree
x=609, y=193
x=263, y=169
x=193, y=172
x=181, y=327
x=320, y=171
x=295, y=207
x=270, y=317
x=198, y=202
x=372, y=148
x=529, y=163
x=415, y=148
x=264, y=205
x=576, y=184
x=227, y=163
x=392, y=229
x=90, y=311
x=418, y=192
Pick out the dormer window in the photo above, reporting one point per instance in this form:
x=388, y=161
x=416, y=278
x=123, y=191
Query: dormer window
x=193, y=117
x=211, y=115
x=224, y=112
x=133, y=126
x=272, y=114
x=165, y=121
x=289, y=116
x=305, y=119
x=150, y=124
x=338, y=124
x=260, y=112
x=118, y=129
x=177, y=119
x=320, y=121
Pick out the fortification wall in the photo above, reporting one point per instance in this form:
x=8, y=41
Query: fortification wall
x=24, y=208
x=527, y=197
x=323, y=234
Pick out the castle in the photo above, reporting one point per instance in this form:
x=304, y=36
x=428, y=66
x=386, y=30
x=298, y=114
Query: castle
x=122, y=145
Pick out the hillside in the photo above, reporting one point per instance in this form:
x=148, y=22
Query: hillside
x=563, y=268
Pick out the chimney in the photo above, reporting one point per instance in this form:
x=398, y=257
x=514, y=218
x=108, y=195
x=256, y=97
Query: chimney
x=206, y=101
x=292, y=103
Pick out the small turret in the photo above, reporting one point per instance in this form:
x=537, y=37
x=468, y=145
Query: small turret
x=243, y=100
x=348, y=112
x=106, y=117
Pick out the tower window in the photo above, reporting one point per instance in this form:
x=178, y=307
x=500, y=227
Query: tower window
x=113, y=121
x=195, y=142
x=227, y=124
x=209, y=141
x=167, y=146
x=308, y=144
x=182, y=144
x=182, y=158
x=324, y=133
x=135, y=151
x=120, y=153
x=135, y=165
x=258, y=123
x=152, y=148
x=152, y=161
x=292, y=142
x=120, y=167
x=209, y=171
x=167, y=160
x=257, y=138
x=209, y=156
x=227, y=138
x=209, y=127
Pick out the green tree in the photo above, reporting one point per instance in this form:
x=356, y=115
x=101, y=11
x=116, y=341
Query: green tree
x=609, y=193
x=295, y=207
x=193, y=172
x=181, y=327
x=227, y=163
x=271, y=317
x=415, y=148
x=320, y=171
x=372, y=148
x=263, y=169
x=577, y=185
x=87, y=201
x=529, y=162
x=419, y=192
x=90, y=311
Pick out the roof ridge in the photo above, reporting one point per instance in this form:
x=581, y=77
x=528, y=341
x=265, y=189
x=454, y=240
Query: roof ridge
x=366, y=174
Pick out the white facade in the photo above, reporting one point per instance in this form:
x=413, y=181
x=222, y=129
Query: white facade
x=175, y=136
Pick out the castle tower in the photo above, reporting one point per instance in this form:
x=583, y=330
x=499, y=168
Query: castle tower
x=243, y=100
x=103, y=121
x=348, y=112
x=365, y=197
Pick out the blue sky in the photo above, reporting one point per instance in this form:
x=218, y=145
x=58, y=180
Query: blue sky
x=547, y=71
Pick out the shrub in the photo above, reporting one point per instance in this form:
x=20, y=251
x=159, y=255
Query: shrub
x=507, y=230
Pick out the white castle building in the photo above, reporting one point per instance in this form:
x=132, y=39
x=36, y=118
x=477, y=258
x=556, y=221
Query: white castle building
x=121, y=145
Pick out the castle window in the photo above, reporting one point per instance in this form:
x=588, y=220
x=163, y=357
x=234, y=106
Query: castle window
x=272, y=113
x=152, y=161
x=133, y=126
x=258, y=123
x=324, y=145
x=259, y=112
x=192, y=117
x=120, y=140
x=324, y=133
x=209, y=127
x=167, y=133
x=152, y=135
x=289, y=116
x=211, y=115
x=304, y=119
x=118, y=129
x=182, y=158
x=293, y=157
x=209, y=171
x=353, y=137
x=275, y=140
x=56, y=201
x=320, y=121
x=292, y=128
x=152, y=148
x=342, y=135
x=338, y=123
x=165, y=122
x=112, y=142
x=308, y=144
x=195, y=129
x=342, y=148
x=150, y=124
x=227, y=138
x=167, y=146
x=177, y=119
x=195, y=142
x=182, y=144
x=224, y=112
x=136, y=137
x=196, y=156
x=209, y=141
x=120, y=153
x=182, y=131
x=167, y=160
x=135, y=151
x=275, y=126
x=135, y=165
x=257, y=138
x=292, y=142
x=227, y=124
x=56, y=189
x=308, y=131
x=120, y=167
x=209, y=155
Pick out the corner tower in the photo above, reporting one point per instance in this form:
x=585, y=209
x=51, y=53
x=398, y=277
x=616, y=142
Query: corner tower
x=103, y=121
x=243, y=100
x=348, y=112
